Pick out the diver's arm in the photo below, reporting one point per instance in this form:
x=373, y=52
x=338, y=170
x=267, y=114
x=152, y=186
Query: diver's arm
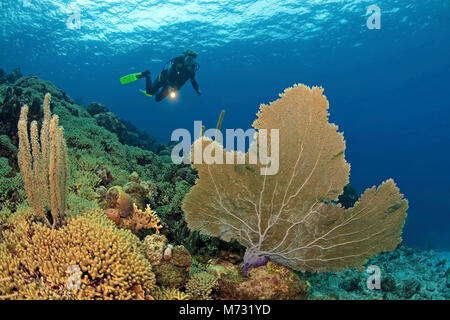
x=195, y=85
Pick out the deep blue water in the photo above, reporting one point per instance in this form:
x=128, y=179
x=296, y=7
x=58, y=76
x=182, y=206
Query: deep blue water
x=388, y=88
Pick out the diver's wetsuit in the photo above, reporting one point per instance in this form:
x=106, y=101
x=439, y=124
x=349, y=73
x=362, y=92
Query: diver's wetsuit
x=174, y=77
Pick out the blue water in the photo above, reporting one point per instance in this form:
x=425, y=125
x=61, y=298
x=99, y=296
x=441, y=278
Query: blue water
x=388, y=88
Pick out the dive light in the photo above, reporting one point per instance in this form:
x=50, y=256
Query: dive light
x=172, y=93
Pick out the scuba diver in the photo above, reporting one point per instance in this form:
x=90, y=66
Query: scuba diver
x=174, y=75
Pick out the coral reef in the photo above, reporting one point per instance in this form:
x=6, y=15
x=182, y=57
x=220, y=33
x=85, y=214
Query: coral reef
x=170, y=294
x=201, y=286
x=142, y=220
x=85, y=257
x=154, y=246
x=406, y=273
x=97, y=161
x=140, y=191
x=108, y=247
x=169, y=275
x=289, y=217
x=11, y=187
x=270, y=282
x=10, y=78
x=171, y=263
x=126, y=132
x=118, y=204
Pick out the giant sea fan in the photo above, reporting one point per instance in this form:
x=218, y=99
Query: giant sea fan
x=290, y=217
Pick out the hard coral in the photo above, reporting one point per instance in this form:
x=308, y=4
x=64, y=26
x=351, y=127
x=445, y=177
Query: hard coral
x=169, y=275
x=105, y=176
x=119, y=202
x=172, y=268
x=181, y=257
x=270, y=282
x=201, y=285
x=170, y=294
x=124, y=212
x=154, y=246
x=39, y=260
x=142, y=220
x=140, y=191
x=11, y=186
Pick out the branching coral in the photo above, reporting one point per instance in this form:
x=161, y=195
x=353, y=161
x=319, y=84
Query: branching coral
x=290, y=217
x=123, y=211
x=142, y=220
x=38, y=260
x=170, y=294
x=171, y=267
x=169, y=275
x=43, y=164
x=118, y=203
x=10, y=296
x=201, y=285
x=11, y=186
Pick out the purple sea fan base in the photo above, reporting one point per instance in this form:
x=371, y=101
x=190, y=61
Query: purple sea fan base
x=253, y=259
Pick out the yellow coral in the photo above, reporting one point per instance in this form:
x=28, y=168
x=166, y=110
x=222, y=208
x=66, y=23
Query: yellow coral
x=201, y=285
x=170, y=294
x=142, y=220
x=7, y=296
x=38, y=260
x=290, y=216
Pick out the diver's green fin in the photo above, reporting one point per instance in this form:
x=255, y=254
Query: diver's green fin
x=130, y=78
x=145, y=92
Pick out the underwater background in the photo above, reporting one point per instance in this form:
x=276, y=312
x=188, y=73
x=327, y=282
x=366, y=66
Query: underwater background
x=387, y=87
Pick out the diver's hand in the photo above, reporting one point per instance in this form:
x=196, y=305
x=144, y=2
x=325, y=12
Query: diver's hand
x=199, y=92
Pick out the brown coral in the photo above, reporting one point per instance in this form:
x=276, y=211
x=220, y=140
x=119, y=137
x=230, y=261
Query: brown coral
x=154, y=247
x=171, y=270
x=169, y=275
x=105, y=176
x=121, y=209
x=118, y=202
x=290, y=217
x=141, y=192
x=137, y=192
x=201, y=286
x=39, y=260
x=142, y=220
x=270, y=282
x=181, y=257
x=170, y=294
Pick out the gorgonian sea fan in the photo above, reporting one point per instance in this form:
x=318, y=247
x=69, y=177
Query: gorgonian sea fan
x=290, y=217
